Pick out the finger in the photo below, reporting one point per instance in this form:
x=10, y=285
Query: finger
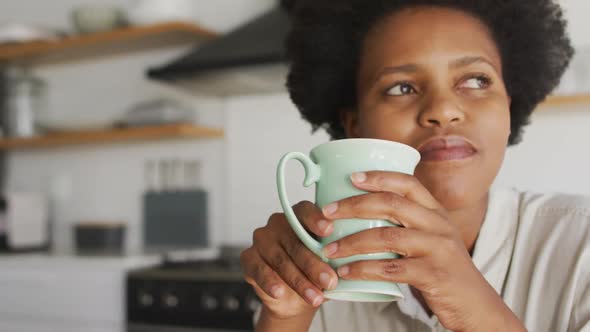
x=404, y=241
x=313, y=219
x=400, y=183
x=319, y=272
x=388, y=206
x=412, y=271
x=258, y=274
x=281, y=263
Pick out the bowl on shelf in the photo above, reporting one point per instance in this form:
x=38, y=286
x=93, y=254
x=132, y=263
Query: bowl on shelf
x=97, y=18
x=147, y=12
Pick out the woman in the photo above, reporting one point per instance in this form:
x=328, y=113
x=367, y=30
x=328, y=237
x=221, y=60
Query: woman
x=457, y=80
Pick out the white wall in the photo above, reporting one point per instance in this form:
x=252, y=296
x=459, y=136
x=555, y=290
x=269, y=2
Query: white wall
x=107, y=181
x=240, y=170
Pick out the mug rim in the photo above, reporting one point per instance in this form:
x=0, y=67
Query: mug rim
x=370, y=140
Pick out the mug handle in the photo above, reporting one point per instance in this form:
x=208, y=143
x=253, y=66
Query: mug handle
x=312, y=175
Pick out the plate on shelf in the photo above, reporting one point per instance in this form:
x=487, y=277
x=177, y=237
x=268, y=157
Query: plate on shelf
x=11, y=33
x=74, y=125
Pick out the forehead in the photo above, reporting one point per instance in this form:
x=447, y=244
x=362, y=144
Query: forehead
x=426, y=34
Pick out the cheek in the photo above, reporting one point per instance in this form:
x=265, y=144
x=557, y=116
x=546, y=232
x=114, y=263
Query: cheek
x=495, y=125
x=383, y=122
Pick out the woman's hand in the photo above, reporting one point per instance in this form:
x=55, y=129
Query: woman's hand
x=436, y=261
x=287, y=276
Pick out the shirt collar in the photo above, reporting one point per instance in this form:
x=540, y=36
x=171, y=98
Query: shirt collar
x=491, y=254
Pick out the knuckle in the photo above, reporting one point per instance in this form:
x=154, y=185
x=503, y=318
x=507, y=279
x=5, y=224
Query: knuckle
x=392, y=267
x=390, y=235
x=258, y=235
x=299, y=283
x=378, y=179
x=275, y=219
x=294, y=248
x=355, y=202
x=308, y=265
x=303, y=209
x=298, y=208
x=393, y=200
x=258, y=273
x=278, y=261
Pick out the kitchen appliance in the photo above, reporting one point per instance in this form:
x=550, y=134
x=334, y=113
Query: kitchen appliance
x=24, y=101
x=247, y=60
x=23, y=222
x=99, y=238
x=175, y=207
x=204, y=295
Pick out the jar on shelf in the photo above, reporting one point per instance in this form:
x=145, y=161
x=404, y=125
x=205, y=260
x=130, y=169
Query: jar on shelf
x=23, y=102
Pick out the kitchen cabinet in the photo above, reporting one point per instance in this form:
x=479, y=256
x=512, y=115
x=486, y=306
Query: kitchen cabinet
x=62, y=294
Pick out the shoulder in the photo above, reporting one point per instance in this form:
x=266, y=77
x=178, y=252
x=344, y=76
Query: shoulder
x=555, y=212
x=554, y=228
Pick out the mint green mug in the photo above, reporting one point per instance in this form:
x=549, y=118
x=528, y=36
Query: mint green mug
x=330, y=167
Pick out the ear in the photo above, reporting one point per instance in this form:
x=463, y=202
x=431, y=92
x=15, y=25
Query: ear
x=349, y=120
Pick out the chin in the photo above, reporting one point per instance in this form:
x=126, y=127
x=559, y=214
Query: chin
x=452, y=191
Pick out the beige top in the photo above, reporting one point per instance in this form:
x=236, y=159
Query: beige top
x=534, y=249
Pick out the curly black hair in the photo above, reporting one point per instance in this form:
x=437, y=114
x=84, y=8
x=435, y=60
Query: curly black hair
x=324, y=46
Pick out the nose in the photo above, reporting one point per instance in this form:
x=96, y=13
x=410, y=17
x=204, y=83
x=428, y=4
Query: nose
x=441, y=112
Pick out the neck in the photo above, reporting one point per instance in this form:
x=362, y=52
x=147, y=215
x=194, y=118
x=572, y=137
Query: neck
x=469, y=221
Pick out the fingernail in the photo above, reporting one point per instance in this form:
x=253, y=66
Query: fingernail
x=313, y=297
x=276, y=291
x=359, y=177
x=330, y=209
x=323, y=225
x=329, y=230
x=343, y=270
x=325, y=280
x=331, y=249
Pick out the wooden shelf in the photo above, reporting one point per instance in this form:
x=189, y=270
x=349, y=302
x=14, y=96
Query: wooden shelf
x=180, y=131
x=567, y=100
x=116, y=42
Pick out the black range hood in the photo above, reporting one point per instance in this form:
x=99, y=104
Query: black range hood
x=248, y=60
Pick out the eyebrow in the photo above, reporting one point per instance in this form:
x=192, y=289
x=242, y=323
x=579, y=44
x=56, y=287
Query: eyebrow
x=412, y=68
x=469, y=60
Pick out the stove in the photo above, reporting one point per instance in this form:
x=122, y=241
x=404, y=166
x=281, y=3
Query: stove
x=190, y=296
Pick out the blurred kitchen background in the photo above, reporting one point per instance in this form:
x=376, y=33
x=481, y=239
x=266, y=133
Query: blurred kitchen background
x=138, y=153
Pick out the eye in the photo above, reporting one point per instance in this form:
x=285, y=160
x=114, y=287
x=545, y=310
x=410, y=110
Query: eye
x=478, y=82
x=401, y=89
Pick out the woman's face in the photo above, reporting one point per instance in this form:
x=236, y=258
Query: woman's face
x=432, y=78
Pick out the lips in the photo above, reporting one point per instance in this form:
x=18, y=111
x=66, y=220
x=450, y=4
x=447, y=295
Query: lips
x=445, y=148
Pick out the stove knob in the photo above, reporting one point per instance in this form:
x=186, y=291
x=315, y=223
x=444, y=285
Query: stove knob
x=145, y=299
x=231, y=303
x=170, y=300
x=209, y=302
x=252, y=304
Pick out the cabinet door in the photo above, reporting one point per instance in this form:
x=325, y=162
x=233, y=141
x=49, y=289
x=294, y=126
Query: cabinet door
x=19, y=325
